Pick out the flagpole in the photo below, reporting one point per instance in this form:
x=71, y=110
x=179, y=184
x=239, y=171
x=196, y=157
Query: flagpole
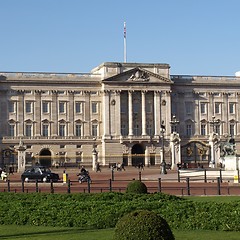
x=125, y=43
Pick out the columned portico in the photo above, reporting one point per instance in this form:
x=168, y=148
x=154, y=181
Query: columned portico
x=144, y=133
x=106, y=130
x=157, y=112
x=130, y=113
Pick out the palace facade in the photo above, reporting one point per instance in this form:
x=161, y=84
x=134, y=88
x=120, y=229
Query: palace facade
x=119, y=112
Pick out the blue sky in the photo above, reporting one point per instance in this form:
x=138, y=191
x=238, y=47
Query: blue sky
x=194, y=37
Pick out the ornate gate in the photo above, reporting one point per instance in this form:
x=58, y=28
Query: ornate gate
x=195, y=154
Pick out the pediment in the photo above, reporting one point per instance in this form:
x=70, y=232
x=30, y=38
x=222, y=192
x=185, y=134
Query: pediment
x=137, y=75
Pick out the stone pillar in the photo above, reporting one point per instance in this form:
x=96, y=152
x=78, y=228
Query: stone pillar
x=175, y=149
x=54, y=124
x=157, y=113
x=21, y=113
x=71, y=110
x=130, y=113
x=94, y=159
x=106, y=112
x=117, y=119
x=38, y=112
x=147, y=156
x=144, y=132
x=213, y=142
x=21, y=156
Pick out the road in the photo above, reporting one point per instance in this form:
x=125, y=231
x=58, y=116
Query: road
x=106, y=181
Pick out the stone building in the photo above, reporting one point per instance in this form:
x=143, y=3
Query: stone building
x=119, y=112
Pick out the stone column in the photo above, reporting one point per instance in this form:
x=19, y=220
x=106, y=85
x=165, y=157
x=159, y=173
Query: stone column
x=130, y=113
x=71, y=110
x=21, y=156
x=147, y=156
x=157, y=116
x=117, y=119
x=144, y=132
x=54, y=127
x=38, y=112
x=106, y=113
x=21, y=109
x=225, y=114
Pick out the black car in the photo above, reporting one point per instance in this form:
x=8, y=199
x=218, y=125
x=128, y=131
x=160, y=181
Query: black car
x=39, y=173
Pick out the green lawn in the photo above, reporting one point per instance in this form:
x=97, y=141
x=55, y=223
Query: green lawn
x=49, y=233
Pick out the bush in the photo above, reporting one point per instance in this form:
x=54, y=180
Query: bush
x=136, y=186
x=142, y=225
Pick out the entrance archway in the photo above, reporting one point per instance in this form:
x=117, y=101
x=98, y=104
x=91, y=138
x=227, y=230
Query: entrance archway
x=137, y=155
x=45, y=158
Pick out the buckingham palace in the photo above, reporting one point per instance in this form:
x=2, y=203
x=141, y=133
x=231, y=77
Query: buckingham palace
x=119, y=112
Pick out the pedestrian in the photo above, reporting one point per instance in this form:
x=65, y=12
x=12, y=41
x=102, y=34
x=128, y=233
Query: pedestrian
x=83, y=170
x=123, y=167
x=119, y=167
x=141, y=166
x=98, y=169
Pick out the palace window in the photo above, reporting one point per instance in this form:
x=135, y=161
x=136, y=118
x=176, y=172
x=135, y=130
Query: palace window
x=189, y=130
x=136, y=131
x=94, y=129
x=78, y=129
x=217, y=108
x=62, y=130
x=94, y=107
x=12, y=107
x=136, y=107
x=28, y=130
x=45, y=107
x=28, y=107
x=218, y=129
x=232, y=129
x=78, y=107
x=149, y=107
x=62, y=107
x=149, y=129
x=231, y=108
x=11, y=130
x=203, y=129
x=45, y=128
x=203, y=108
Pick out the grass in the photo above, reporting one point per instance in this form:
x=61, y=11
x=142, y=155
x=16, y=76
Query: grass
x=50, y=233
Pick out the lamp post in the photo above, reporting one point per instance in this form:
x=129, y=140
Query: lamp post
x=174, y=122
x=163, y=163
x=214, y=123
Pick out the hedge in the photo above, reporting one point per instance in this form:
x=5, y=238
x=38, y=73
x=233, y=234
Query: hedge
x=103, y=210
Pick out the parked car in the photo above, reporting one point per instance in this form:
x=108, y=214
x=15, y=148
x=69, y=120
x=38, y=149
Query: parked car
x=39, y=173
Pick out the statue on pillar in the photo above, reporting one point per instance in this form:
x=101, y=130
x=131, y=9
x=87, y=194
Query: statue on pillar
x=94, y=157
x=213, y=142
x=21, y=148
x=175, y=149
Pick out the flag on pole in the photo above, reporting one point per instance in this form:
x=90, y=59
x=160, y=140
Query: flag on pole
x=125, y=30
x=125, y=42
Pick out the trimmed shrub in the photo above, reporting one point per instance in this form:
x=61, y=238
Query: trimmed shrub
x=142, y=225
x=136, y=186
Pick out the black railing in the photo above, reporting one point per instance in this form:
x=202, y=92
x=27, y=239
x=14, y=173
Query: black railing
x=187, y=187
